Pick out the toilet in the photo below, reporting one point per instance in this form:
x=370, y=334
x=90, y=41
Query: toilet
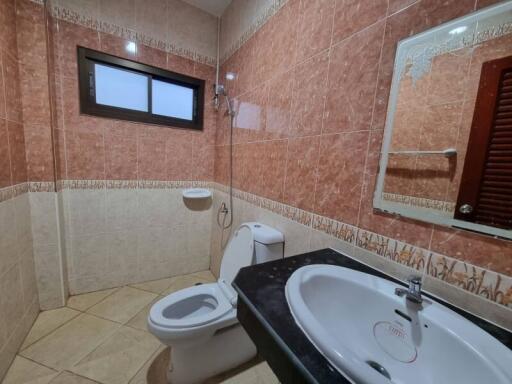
x=199, y=323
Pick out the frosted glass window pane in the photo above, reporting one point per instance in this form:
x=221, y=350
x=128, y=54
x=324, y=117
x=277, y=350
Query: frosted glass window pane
x=172, y=100
x=122, y=89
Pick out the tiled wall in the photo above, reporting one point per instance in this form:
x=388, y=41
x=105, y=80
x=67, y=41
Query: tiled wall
x=169, y=25
x=120, y=233
x=482, y=292
x=434, y=114
x=18, y=300
x=311, y=96
x=115, y=175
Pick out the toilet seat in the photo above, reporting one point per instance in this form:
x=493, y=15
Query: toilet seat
x=188, y=308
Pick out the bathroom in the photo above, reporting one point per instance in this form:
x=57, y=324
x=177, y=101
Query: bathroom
x=149, y=241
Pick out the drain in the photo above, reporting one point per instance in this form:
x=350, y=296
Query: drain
x=379, y=368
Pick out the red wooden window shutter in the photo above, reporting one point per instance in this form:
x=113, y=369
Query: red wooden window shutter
x=485, y=194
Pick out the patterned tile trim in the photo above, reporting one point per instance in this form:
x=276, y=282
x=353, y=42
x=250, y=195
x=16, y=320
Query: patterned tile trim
x=70, y=16
x=270, y=11
x=13, y=191
x=41, y=186
x=488, y=284
x=438, y=205
x=130, y=184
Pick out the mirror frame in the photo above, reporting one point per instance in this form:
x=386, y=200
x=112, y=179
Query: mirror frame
x=424, y=40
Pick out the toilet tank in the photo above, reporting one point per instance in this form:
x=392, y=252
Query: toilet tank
x=268, y=243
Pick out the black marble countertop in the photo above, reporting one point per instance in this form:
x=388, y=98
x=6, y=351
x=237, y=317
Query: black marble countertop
x=261, y=290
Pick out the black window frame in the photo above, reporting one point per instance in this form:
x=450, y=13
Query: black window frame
x=88, y=57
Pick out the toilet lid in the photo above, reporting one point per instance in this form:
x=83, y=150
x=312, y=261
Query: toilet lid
x=238, y=254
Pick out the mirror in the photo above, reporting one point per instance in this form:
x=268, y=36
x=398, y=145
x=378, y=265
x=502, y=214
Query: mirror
x=447, y=150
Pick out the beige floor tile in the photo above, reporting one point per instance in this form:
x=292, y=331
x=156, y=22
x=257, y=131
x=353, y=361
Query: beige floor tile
x=186, y=281
x=140, y=320
x=155, y=369
x=23, y=371
x=70, y=378
x=155, y=286
x=68, y=344
x=119, y=358
x=47, y=322
x=87, y=300
x=259, y=374
x=122, y=305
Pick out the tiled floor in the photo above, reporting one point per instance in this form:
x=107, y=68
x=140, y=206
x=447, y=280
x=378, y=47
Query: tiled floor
x=101, y=337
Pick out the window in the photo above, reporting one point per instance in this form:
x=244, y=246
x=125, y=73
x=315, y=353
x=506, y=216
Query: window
x=123, y=89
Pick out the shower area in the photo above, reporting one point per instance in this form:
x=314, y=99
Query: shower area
x=98, y=202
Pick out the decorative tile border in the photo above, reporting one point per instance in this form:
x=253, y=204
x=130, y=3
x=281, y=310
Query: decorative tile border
x=130, y=184
x=446, y=207
x=41, y=186
x=74, y=17
x=487, y=284
x=270, y=11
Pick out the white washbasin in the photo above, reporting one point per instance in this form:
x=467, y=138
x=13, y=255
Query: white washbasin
x=351, y=319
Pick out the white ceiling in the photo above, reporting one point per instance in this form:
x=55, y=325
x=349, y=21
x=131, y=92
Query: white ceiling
x=215, y=7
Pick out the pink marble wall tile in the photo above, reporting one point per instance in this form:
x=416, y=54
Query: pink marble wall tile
x=278, y=112
x=482, y=251
x=5, y=158
x=152, y=153
x=243, y=69
x=180, y=64
x=263, y=55
x=8, y=27
x=17, y=152
x=85, y=155
x=353, y=15
x=38, y=145
x=117, y=46
x=273, y=166
x=13, y=106
x=315, y=27
x=2, y=87
x=178, y=156
x=486, y=3
x=340, y=175
x=203, y=157
x=121, y=151
x=309, y=93
x=252, y=158
x=301, y=165
x=221, y=166
x=284, y=26
x=72, y=118
x=397, y=5
x=70, y=36
x=353, y=69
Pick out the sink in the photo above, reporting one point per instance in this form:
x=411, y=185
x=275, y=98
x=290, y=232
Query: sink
x=373, y=336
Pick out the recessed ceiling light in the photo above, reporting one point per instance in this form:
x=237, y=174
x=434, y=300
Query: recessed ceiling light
x=230, y=76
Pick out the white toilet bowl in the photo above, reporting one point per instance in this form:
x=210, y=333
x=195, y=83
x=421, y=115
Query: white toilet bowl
x=199, y=322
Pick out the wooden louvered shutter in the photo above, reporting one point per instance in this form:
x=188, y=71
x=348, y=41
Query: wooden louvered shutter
x=486, y=185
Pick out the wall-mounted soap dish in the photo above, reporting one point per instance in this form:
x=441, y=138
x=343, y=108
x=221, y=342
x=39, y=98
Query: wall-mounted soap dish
x=197, y=193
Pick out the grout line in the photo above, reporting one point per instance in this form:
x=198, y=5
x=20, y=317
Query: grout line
x=52, y=331
x=38, y=363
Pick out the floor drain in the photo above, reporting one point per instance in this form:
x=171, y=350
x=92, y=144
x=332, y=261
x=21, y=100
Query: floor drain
x=379, y=368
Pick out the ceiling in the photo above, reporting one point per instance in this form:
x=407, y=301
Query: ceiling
x=215, y=7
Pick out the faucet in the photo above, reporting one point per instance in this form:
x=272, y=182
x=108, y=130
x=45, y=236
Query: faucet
x=413, y=293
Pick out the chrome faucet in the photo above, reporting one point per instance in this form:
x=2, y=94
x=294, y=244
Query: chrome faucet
x=413, y=293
